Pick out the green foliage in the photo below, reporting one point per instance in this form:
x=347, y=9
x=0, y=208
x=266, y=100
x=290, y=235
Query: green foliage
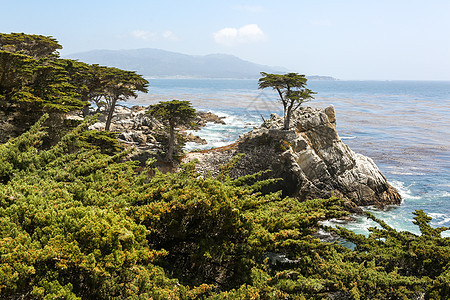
x=78, y=222
x=174, y=113
x=410, y=262
x=88, y=79
x=16, y=70
x=291, y=88
x=30, y=73
x=50, y=89
x=62, y=236
x=18, y=154
x=104, y=140
x=120, y=85
x=36, y=46
x=33, y=81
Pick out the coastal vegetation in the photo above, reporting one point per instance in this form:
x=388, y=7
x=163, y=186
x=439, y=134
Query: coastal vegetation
x=174, y=113
x=79, y=220
x=34, y=80
x=77, y=223
x=120, y=85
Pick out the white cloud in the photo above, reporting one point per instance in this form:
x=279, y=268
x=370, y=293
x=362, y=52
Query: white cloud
x=153, y=36
x=169, y=35
x=144, y=35
x=231, y=36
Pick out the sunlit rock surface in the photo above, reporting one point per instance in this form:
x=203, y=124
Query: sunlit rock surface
x=311, y=159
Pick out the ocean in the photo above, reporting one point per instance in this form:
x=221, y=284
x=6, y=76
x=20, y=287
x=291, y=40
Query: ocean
x=402, y=125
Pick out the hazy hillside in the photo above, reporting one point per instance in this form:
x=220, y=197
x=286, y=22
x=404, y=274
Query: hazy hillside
x=159, y=63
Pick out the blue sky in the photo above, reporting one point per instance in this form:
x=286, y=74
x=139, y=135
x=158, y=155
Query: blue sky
x=360, y=39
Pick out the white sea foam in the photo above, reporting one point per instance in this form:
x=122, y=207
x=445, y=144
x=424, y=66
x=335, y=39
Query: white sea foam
x=359, y=225
x=395, y=170
x=348, y=137
x=407, y=173
x=439, y=219
x=404, y=191
x=218, y=135
x=445, y=194
x=437, y=215
x=443, y=222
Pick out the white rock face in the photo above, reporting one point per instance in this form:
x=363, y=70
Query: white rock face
x=310, y=158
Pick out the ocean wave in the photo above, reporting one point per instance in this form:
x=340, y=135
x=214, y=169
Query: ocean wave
x=404, y=191
x=440, y=219
x=407, y=173
x=444, y=194
x=218, y=135
x=358, y=225
x=348, y=137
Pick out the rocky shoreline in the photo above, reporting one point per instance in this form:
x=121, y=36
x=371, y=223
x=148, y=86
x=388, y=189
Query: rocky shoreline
x=311, y=159
x=137, y=128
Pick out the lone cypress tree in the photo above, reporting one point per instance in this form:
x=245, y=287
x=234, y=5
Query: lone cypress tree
x=291, y=88
x=174, y=113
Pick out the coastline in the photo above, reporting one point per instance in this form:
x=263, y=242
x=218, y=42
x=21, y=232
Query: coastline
x=400, y=125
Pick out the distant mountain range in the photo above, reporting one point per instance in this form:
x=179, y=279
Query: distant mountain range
x=158, y=63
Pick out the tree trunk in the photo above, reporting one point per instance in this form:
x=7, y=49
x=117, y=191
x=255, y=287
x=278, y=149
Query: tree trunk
x=287, y=118
x=110, y=114
x=85, y=110
x=171, y=141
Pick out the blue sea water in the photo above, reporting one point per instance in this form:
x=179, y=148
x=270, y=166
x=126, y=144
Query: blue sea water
x=402, y=125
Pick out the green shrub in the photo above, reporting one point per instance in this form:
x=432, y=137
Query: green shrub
x=78, y=222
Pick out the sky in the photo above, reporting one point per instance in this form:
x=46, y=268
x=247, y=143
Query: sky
x=346, y=39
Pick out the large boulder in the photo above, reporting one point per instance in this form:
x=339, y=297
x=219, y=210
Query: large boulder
x=310, y=158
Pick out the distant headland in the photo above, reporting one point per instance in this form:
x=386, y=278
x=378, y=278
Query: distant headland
x=318, y=77
x=156, y=63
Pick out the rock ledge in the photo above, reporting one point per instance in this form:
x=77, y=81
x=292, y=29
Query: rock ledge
x=310, y=158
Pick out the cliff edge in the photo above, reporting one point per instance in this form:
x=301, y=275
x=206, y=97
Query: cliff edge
x=311, y=159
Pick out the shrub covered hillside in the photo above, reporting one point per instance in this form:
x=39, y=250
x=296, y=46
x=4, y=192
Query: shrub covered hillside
x=79, y=223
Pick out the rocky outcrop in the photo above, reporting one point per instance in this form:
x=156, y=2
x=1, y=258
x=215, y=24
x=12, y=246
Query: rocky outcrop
x=208, y=117
x=138, y=128
x=146, y=134
x=310, y=158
